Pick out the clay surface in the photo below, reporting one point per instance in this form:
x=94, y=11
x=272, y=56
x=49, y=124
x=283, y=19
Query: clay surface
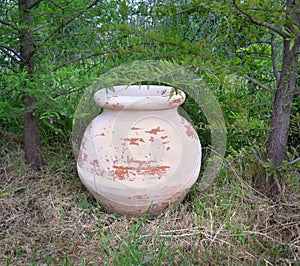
x=139, y=155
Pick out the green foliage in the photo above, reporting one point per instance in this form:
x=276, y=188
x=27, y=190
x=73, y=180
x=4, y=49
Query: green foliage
x=232, y=55
x=75, y=44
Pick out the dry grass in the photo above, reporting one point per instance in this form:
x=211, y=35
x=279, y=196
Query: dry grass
x=48, y=218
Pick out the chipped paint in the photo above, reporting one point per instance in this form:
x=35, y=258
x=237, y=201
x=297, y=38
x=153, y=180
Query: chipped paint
x=144, y=169
x=95, y=162
x=139, y=162
x=158, y=171
x=82, y=157
x=116, y=106
x=120, y=172
x=129, y=172
x=154, y=130
x=101, y=134
x=134, y=141
x=178, y=100
x=151, y=139
x=190, y=132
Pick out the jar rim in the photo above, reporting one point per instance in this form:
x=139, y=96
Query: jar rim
x=140, y=97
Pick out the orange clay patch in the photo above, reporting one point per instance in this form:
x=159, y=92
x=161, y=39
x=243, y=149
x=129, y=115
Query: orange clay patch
x=176, y=100
x=190, y=132
x=122, y=172
x=134, y=141
x=154, y=130
x=151, y=139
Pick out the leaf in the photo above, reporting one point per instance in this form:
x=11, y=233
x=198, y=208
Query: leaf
x=13, y=190
x=84, y=204
x=3, y=194
x=17, y=189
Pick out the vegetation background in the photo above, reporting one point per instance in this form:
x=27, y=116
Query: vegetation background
x=247, y=52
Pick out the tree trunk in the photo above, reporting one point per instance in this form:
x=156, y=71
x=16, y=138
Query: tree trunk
x=32, y=142
x=281, y=112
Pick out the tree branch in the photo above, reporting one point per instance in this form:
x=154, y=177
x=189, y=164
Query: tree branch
x=73, y=61
x=55, y=95
x=265, y=10
x=61, y=26
x=214, y=62
x=242, y=74
x=262, y=23
x=257, y=83
x=34, y=4
x=294, y=161
x=6, y=51
x=93, y=4
x=57, y=5
x=288, y=163
x=6, y=23
x=293, y=8
x=258, y=158
x=296, y=46
x=17, y=114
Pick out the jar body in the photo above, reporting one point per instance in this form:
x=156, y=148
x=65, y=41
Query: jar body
x=137, y=160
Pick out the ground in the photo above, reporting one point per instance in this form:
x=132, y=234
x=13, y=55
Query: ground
x=49, y=218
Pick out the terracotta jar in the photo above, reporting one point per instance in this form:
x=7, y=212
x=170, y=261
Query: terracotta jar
x=139, y=155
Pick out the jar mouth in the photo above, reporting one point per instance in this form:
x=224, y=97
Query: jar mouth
x=140, y=97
